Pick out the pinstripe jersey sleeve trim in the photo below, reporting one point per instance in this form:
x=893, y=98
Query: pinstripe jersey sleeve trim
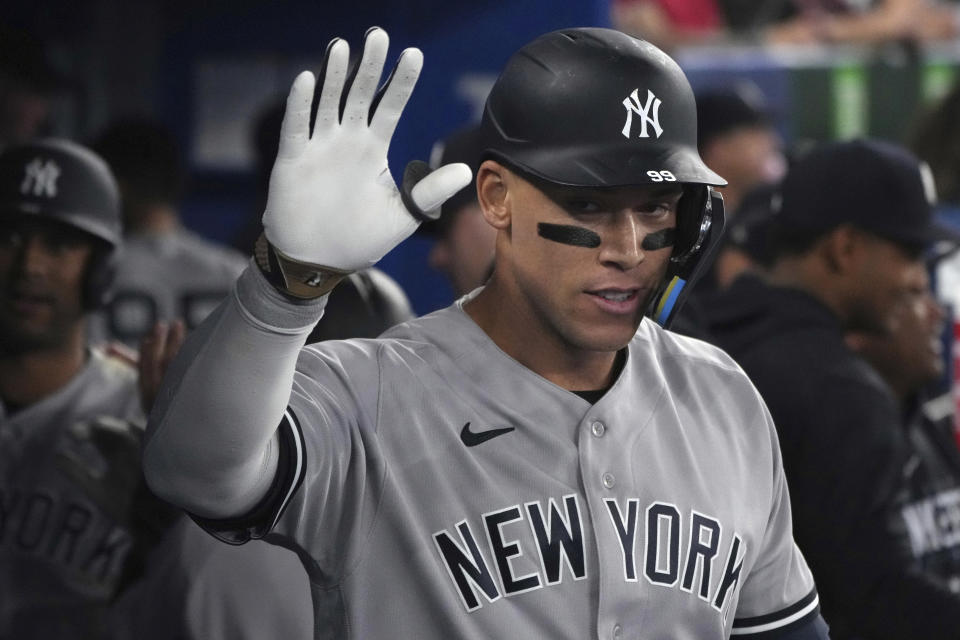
x=291, y=469
x=773, y=624
x=296, y=460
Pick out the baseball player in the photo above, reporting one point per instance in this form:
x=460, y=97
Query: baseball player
x=164, y=270
x=537, y=460
x=851, y=221
x=74, y=513
x=463, y=242
x=910, y=359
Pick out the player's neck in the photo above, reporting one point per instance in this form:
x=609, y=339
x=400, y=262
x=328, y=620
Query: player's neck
x=28, y=377
x=515, y=330
x=807, y=275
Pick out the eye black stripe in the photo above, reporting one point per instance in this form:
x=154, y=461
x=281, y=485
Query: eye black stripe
x=568, y=234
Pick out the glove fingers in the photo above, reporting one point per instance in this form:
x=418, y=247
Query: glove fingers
x=395, y=94
x=333, y=75
x=295, y=130
x=440, y=185
x=366, y=79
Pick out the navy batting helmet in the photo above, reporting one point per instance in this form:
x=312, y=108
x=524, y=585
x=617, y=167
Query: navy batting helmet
x=64, y=181
x=595, y=107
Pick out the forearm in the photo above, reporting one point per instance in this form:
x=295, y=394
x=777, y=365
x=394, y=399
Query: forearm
x=210, y=439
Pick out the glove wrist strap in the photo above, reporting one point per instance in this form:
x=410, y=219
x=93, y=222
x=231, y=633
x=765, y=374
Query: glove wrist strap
x=300, y=280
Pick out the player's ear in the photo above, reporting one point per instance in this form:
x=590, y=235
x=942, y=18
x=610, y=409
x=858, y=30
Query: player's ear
x=841, y=248
x=493, y=193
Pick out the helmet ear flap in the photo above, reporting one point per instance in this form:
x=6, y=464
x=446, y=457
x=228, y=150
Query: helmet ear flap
x=700, y=222
x=690, y=213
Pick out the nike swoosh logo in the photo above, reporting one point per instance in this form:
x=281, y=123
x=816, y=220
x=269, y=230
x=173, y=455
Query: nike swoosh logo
x=473, y=438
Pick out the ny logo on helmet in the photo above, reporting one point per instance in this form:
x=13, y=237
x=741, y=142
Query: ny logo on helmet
x=41, y=178
x=632, y=104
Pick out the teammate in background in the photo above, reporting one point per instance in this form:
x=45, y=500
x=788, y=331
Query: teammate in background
x=853, y=221
x=463, y=245
x=910, y=359
x=491, y=469
x=736, y=138
x=76, y=519
x=935, y=138
x=164, y=271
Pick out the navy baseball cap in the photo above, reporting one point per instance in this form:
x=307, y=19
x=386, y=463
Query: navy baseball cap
x=876, y=186
x=463, y=145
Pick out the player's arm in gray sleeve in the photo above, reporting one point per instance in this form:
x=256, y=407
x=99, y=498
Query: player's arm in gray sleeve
x=778, y=598
x=212, y=444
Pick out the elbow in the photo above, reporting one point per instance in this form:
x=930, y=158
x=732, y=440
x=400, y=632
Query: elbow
x=204, y=487
x=173, y=484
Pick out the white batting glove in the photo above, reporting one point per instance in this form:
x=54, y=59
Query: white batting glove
x=332, y=200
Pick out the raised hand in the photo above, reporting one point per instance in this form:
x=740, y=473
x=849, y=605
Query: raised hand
x=332, y=200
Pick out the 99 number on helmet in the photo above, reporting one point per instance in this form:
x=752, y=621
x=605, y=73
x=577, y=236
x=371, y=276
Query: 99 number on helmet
x=661, y=176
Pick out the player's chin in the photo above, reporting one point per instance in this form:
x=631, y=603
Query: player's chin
x=17, y=338
x=609, y=334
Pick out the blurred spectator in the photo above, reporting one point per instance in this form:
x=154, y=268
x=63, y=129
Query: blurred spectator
x=165, y=271
x=77, y=519
x=367, y=302
x=848, y=237
x=463, y=240
x=28, y=82
x=669, y=23
x=857, y=21
x=909, y=357
x=747, y=18
x=935, y=137
x=737, y=139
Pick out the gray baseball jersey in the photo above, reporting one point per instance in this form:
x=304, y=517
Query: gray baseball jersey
x=437, y=488
x=163, y=277
x=69, y=473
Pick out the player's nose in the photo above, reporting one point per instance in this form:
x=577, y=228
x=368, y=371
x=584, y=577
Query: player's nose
x=33, y=256
x=621, y=245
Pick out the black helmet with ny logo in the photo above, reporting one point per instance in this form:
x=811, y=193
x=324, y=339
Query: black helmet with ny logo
x=59, y=179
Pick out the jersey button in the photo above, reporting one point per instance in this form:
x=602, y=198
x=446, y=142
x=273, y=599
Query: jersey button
x=598, y=429
x=609, y=480
x=617, y=631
